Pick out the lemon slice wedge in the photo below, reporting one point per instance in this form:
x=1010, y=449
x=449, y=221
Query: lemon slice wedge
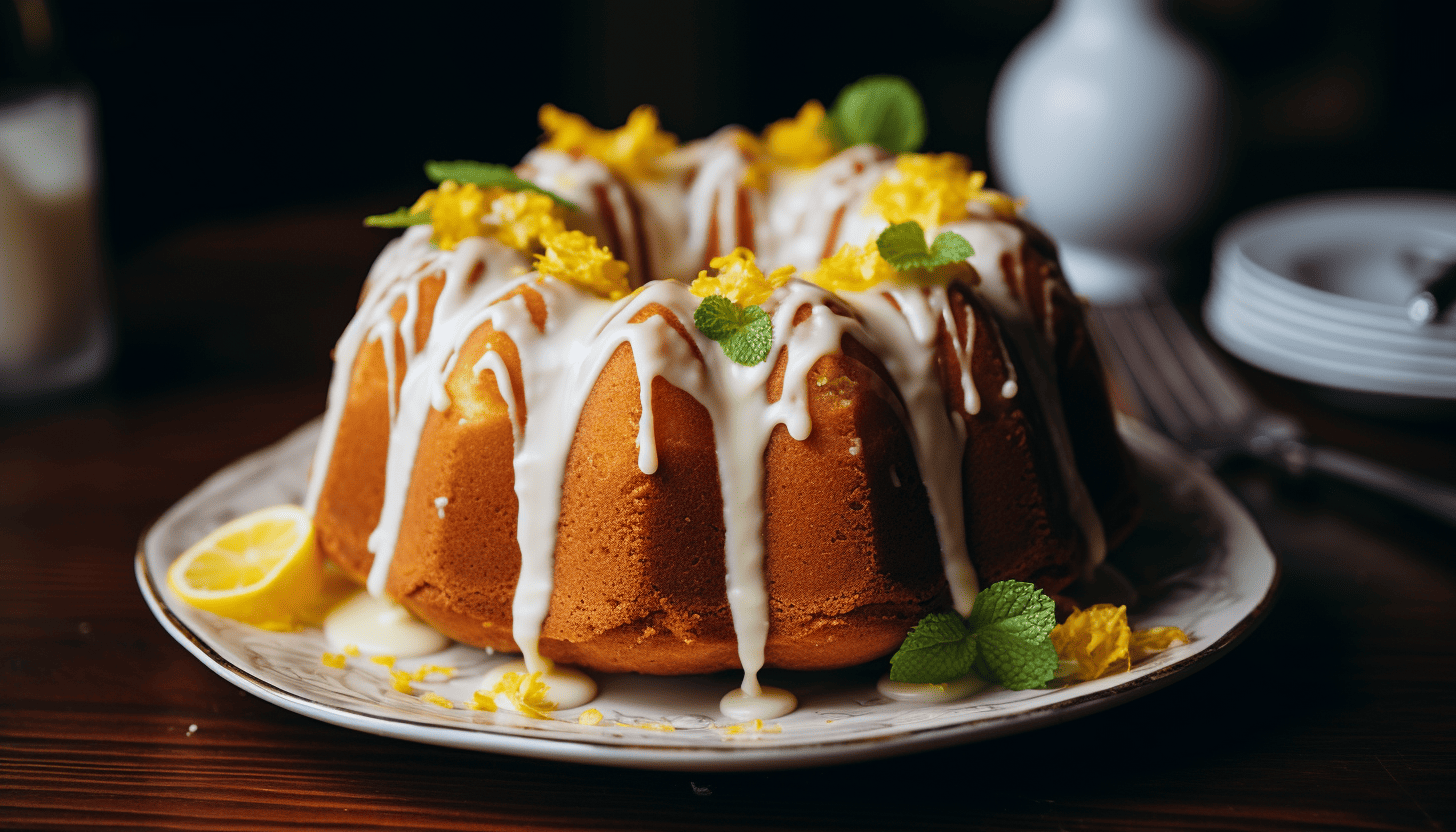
x=261, y=569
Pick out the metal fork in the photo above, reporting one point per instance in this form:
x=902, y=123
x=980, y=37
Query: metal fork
x=1184, y=389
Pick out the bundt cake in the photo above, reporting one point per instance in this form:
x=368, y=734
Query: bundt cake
x=544, y=435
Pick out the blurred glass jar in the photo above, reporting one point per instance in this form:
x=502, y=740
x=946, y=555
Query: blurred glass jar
x=55, y=331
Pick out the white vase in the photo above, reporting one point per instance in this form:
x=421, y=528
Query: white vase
x=1113, y=126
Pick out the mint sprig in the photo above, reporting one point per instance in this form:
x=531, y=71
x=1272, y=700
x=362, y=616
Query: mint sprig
x=881, y=109
x=745, y=333
x=486, y=174
x=1004, y=640
x=400, y=218
x=902, y=245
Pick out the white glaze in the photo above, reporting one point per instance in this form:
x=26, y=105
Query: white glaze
x=380, y=626
x=765, y=703
x=928, y=693
x=566, y=687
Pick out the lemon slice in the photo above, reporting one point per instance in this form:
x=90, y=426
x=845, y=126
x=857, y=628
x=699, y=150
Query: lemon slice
x=261, y=569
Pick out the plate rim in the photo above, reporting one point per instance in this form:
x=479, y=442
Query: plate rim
x=727, y=757
x=1231, y=241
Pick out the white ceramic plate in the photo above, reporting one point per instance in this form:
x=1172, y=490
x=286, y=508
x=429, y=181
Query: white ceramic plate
x=1315, y=289
x=1208, y=571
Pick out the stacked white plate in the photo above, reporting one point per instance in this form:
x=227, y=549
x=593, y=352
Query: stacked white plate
x=1316, y=289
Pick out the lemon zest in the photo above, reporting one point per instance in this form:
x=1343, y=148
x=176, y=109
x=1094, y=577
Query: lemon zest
x=1145, y=643
x=590, y=716
x=861, y=268
x=526, y=693
x=482, y=701
x=647, y=726
x=351, y=649
x=334, y=660
x=1096, y=639
x=401, y=681
x=516, y=218
x=756, y=174
x=522, y=218
x=852, y=269
x=632, y=150
x=739, y=279
x=799, y=141
x=574, y=257
x=755, y=726
x=1002, y=204
x=934, y=189
x=387, y=661
x=436, y=699
x=426, y=669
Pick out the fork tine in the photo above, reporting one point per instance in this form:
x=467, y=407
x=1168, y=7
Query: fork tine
x=1226, y=394
x=1167, y=362
x=1143, y=373
x=1125, y=393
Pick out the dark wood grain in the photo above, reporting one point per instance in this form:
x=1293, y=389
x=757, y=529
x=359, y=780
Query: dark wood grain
x=1339, y=712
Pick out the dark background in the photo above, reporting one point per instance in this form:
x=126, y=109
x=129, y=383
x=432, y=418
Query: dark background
x=214, y=113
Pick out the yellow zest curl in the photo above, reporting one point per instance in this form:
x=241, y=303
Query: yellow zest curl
x=799, y=141
x=739, y=279
x=1099, y=641
x=756, y=174
x=457, y=211
x=575, y=258
x=934, y=189
x=519, y=219
x=861, y=268
x=631, y=150
x=853, y=269
x=526, y=693
x=522, y=218
x=425, y=670
x=1146, y=643
x=590, y=716
x=436, y=699
x=334, y=660
x=401, y=681
x=1096, y=639
x=1002, y=204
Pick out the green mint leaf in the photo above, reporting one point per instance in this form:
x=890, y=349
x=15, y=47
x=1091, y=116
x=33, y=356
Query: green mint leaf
x=902, y=245
x=398, y=219
x=881, y=109
x=950, y=247
x=1014, y=606
x=750, y=345
x=939, y=649
x=1011, y=622
x=746, y=334
x=718, y=317
x=486, y=175
x=1014, y=663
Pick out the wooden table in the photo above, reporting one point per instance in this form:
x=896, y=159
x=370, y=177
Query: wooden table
x=1339, y=712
